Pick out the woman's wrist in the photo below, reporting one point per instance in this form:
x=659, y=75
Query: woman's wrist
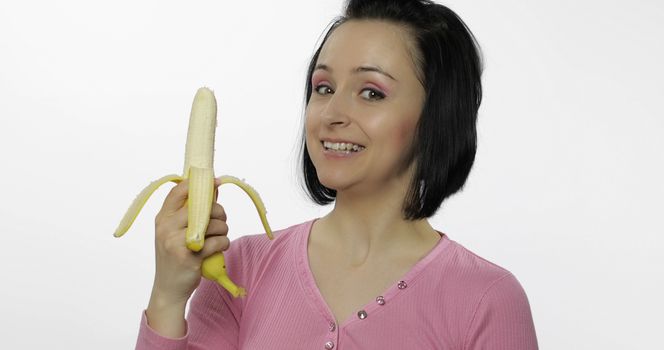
x=166, y=316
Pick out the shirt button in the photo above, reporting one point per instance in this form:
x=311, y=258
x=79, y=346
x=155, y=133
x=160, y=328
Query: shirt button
x=329, y=345
x=333, y=326
x=362, y=314
x=402, y=285
x=380, y=300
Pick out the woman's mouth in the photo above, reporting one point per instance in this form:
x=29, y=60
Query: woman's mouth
x=342, y=147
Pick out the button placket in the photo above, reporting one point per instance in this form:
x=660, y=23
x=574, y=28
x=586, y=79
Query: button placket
x=362, y=314
x=332, y=327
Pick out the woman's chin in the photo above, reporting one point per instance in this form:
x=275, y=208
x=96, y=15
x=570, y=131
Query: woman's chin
x=334, y=183
x=345, y=185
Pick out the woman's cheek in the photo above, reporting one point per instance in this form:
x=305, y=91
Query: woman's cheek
x=405, y=132
x=312, y=123
x=316, y=111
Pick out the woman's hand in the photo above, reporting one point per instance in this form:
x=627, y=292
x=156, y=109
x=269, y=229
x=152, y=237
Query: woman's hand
x=178, y=269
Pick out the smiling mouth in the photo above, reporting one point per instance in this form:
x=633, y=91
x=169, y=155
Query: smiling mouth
x=342, y=147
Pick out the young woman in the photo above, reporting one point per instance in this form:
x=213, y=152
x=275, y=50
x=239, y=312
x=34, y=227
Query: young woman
x=392, y=97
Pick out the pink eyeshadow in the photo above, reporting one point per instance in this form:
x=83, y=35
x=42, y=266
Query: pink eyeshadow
x=316, y=79
x=379, y=87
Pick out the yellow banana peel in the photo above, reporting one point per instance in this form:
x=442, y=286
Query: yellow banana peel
x=198, y=168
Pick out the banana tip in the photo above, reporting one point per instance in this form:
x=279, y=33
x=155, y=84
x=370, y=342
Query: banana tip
x=194, y=246
x=206, y=89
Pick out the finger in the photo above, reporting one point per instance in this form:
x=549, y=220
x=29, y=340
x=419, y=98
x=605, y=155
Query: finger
x=180, y=218
x=213, y=245
x=216, y=228
x=176, y=197
x=218, y=212
x=217, y=183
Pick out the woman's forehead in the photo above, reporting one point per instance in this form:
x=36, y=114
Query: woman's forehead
x=368, y=42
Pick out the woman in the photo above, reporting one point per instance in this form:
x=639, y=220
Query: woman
x=392, y=97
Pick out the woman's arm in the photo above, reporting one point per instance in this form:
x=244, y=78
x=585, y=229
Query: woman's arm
x=502, y=320
x=213, y=319
x=212, y=323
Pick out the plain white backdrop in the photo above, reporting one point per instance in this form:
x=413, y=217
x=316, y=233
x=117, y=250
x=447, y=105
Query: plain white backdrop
x=94, y=98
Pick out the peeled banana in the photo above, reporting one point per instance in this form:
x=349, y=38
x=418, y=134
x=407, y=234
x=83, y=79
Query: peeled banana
x=198, y=168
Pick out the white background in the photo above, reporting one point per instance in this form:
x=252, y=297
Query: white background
x=94, y=99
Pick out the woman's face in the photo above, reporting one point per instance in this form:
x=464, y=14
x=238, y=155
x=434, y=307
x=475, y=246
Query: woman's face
x=366, y=101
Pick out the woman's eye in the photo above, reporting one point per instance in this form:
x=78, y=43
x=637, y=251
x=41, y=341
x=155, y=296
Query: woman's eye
x=323, y=90
x=371, y=94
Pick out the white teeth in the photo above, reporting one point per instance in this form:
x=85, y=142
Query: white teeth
x=342, y=146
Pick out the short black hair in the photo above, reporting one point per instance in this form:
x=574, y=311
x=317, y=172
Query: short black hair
x=449, y=66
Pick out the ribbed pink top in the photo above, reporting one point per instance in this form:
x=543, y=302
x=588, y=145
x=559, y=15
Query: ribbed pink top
x=450, y=299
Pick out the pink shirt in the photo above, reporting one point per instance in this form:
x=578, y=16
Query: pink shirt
x=450, y=299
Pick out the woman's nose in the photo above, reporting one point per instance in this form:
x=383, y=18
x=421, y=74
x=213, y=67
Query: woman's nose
x=336, y=112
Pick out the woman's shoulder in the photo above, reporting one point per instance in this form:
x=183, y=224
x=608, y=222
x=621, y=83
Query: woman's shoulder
x=491, y=299
x=250, y=255
x=258, y=246
x=256, y=240
x=474, y=293
x=473, y=276
x=477, y=282
x=471, y=265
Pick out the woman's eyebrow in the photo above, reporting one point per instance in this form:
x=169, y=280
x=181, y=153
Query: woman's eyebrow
x=357, y=70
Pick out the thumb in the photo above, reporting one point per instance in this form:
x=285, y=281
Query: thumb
x=217, y=183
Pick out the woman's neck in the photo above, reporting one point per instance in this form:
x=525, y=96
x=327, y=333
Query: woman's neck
x=369, y=228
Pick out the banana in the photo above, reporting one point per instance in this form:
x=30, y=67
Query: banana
x=198, y=168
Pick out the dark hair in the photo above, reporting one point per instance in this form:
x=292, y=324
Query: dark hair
x=449, y=66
